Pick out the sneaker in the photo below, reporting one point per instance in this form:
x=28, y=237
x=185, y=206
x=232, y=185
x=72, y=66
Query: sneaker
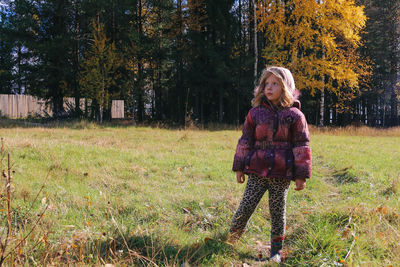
x=276, y=257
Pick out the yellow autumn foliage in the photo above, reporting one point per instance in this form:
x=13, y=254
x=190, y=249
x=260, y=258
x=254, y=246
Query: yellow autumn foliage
x=317, y=41
x=100, y=67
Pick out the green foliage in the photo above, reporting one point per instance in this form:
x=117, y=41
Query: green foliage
x=6, y=62
x=381, y=46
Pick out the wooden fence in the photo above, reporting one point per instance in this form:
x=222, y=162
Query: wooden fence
x=22, y=106
x=117, y=109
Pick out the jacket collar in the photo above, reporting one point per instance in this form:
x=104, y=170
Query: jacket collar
x=297, y=104
x=268, y=104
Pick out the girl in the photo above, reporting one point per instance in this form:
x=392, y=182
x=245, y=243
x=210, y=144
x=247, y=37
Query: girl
x=272, y=151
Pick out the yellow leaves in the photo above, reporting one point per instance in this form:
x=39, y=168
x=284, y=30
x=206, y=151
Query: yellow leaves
x=382, y=210
x=346, y=233
x=36, y=17
x=99, y=67
x=328, y=41
x=316, y=40
x=306, y=210
x=381, y=235
x=88, y=201
x=186, y=219
x=235, y=51
x=198, y=15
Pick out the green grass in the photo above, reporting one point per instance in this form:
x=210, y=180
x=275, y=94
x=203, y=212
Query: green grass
x=168, y=197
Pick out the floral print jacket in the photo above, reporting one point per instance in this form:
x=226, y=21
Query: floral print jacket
x=275, y=143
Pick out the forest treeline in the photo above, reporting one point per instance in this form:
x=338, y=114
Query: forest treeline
x=181, y=61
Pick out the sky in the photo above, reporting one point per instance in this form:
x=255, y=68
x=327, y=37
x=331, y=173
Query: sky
x=5, y=2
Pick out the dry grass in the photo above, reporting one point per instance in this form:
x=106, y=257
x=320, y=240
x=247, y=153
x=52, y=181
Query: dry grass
x=356, y=131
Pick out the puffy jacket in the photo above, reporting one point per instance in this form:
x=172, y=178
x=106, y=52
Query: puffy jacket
x=275, y=143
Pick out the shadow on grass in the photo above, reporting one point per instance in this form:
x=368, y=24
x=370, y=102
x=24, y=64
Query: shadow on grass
x=345, y=175
x=147, y=250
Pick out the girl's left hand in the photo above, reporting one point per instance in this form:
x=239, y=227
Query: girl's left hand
x=300, y=184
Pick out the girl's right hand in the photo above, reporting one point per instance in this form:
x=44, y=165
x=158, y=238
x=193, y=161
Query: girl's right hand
x=240, y=177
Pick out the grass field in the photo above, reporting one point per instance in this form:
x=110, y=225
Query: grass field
x=148, y=196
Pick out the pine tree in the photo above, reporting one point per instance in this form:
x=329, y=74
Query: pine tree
x=382, y=37
x=6, y=45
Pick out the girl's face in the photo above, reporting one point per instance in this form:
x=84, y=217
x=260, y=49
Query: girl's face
x=273, y=89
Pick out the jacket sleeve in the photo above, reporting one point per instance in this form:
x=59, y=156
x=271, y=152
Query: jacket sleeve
x=301, y=148
x=245, y=144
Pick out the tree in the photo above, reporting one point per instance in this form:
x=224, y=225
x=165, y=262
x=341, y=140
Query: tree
x=382, y=37
x=100, y=70
x=318, y=41
x=6, y=46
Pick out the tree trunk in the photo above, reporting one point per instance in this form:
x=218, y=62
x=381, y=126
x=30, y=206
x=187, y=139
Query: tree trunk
x=255, y=42
x=202, y=108
x=19, y=81
x=394, y=62
x=158, y=87
x=133, y=105
x=187, y=116
x=393, y=108
x=221, y=107
x=140, y=68
x=153, y=96
x=322, y=101
x=384, y=113
x=113, y=38
x=366, y=112
x=176, y=111
x=101, y=102
x=158, y=94
x=322, y=108
x=240, y=65
x=78, y=110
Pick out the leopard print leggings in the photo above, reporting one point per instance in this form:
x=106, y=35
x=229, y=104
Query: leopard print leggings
x=277, y=193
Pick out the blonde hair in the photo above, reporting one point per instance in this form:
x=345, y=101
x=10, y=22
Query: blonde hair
x=286, y=80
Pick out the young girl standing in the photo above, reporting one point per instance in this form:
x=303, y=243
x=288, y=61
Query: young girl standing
x=273, y=150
